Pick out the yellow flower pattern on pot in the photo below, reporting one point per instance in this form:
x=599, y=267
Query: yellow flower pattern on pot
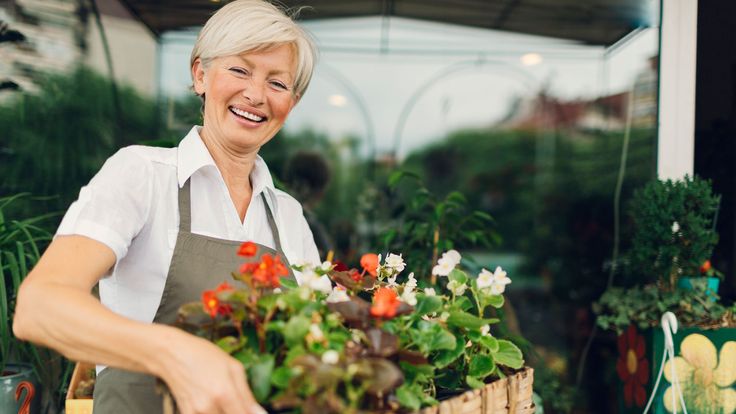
x=706, y=379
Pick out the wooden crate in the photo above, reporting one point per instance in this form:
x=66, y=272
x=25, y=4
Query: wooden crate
x=79, y=405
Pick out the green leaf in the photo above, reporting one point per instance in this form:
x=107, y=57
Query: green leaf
x=489, y=343
x=259, y=376
x=481, y=366
x=408, y=398
x=287, y=283
x=443, y=340
x=296, y=329
x=464, y=303
x=466, y=320
x=230, y=344
x=508, y=354
x=493, y=300
x=281, y=376
x=427, y=304
x=474, y=382
x=458, y=275
x=445, y=358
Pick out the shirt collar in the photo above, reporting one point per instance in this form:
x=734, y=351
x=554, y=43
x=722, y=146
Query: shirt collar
x=193, y=155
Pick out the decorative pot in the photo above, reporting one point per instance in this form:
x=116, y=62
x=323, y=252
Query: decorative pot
x=710, y=283
x=19, y=390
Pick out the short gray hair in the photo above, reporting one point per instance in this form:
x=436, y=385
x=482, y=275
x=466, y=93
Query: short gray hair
x=253, y=25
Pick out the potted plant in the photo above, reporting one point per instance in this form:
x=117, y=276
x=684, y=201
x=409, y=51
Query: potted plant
x=368, y=344
x=674, y=232
x=672, y=242
x=31, y=377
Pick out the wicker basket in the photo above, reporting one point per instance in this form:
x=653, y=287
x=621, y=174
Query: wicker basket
x=511, y=395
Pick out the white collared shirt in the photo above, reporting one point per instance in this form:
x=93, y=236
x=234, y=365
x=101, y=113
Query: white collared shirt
x=131, y=206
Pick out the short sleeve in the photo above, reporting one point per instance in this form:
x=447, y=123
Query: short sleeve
x=114, y=206
x=309, y=247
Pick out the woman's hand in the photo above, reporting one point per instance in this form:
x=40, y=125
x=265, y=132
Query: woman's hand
x=203, y=379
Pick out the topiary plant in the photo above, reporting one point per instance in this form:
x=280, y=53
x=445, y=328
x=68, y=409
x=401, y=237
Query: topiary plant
x=674, y=229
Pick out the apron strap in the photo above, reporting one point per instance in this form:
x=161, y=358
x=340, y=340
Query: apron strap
x=185, y=208
x=272, y=223
x=185, y=213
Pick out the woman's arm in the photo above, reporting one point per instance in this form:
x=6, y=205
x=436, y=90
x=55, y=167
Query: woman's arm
x=56, y=309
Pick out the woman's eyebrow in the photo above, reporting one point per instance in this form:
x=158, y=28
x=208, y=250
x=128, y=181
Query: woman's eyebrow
x=276, y=71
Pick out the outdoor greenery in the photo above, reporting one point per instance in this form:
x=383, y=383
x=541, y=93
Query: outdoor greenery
x=643, y=306
x=55, y=140
x=22, y=239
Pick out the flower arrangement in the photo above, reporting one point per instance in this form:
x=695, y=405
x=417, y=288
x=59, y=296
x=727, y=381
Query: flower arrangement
x=369, y=343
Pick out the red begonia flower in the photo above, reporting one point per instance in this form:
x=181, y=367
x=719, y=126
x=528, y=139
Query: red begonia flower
x=369, y=262
x=248, y=249
x=385, y=303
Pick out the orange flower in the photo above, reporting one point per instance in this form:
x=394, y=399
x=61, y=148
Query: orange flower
x=369, y=262
x=269, y=270
x=385, y=303
x=212, y=303
x=224, y=287
x=705, y=267
x=248, y=249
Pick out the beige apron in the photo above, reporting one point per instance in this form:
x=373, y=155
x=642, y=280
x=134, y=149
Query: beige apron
x=199, y=263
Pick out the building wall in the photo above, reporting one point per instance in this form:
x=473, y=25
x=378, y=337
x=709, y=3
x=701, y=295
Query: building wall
x=63, y=33
x=133, y=50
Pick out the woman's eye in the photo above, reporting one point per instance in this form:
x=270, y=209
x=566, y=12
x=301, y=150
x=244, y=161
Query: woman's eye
x=240, y=71
x=279, y=85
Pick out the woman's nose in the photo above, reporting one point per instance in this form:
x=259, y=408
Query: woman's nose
x=254, y=91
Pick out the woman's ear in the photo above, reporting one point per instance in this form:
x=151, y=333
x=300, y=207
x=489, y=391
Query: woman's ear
x=198, y=76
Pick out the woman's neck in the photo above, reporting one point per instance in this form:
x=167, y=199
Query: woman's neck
x=235, y=168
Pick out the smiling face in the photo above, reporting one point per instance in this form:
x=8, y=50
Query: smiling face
x=247, y=96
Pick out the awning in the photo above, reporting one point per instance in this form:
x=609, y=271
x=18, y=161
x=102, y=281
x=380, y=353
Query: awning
x=594, y=22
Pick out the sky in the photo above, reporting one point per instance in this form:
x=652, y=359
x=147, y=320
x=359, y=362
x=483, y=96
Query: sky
x=441, y=77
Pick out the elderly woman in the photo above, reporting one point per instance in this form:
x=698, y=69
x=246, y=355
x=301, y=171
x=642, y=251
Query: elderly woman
x=155, y=227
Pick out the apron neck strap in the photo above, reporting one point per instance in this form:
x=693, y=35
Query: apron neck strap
x=185, y=213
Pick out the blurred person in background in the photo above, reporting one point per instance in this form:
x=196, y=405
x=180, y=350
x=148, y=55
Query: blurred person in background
x=157, y=226
x=307, y=176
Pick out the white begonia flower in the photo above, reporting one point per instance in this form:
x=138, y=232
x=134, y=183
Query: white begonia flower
x=321, y=284
x=411, y=284
x=338, y=294
x=456, y=287
x=326, y=266
x=452, y=255
x=485, y=279
x=391, y=281
x=468, y=344
x=316, y=332
x=395, y=262
x=485, y=330
x=331, y=357
x=277, y=290
x=409, y=297
x=313, y=281
x=430, y=292
x=446, y=263
x=499, y=282
x=675, y=227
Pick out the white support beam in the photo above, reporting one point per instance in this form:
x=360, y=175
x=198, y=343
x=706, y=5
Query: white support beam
x=679, y=33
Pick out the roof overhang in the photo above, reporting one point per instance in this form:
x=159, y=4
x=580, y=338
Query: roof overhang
x=593, y=22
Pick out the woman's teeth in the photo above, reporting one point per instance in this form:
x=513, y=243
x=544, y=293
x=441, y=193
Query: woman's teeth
x=246, y=115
